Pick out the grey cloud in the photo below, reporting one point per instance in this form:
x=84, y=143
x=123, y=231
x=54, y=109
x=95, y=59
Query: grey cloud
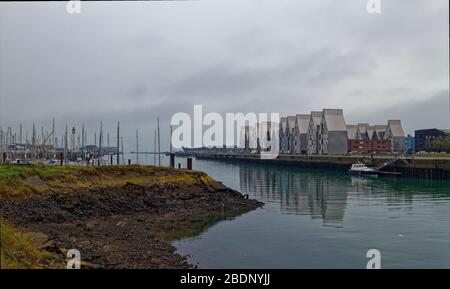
x=430, y=113
x=133, y=61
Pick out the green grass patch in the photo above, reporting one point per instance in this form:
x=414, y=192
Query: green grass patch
x=21, y=180
x=19, y=252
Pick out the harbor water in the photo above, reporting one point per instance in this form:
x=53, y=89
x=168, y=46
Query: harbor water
x=323, y=219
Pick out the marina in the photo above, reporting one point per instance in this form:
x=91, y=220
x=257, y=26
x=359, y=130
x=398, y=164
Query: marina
x=231, y=135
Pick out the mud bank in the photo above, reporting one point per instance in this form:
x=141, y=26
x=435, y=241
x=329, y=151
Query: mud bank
x=119, y=217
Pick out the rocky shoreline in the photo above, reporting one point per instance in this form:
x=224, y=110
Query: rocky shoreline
x=126, y=225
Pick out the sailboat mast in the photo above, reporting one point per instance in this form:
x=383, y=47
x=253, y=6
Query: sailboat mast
x=154, y=148
x=159, y=145
x=137, y=147
x=118, y=139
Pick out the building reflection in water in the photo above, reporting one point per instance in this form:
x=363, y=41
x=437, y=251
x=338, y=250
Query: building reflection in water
x=326, y=195
x=314, y=194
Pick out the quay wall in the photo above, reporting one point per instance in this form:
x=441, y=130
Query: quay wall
x=408, y=167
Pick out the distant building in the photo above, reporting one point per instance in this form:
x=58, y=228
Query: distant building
x=283, y=135
x=301, y=133
x=395, y=134
x=313, y=133
x=351, y=131
x=324, y=133
x=424, y=138
x=248, y=138
x=370, y=130
x=365, y=138
x=379, y=132
x=290, y=133
x=410, y=143
x=333, y=132
x=266, y=131
x=361, y=132
x=357, y=138
x=379, y=143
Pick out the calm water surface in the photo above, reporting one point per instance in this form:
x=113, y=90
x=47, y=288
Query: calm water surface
x=322, y=219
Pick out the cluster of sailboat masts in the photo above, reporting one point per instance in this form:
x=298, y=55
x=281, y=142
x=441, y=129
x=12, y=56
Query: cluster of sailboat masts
x=71, y=147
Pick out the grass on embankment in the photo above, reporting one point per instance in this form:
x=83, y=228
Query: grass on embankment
x=22, y=180
x=19, y=252
x=17, y=181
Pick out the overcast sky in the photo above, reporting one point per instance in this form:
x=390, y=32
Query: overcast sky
x=133, y=61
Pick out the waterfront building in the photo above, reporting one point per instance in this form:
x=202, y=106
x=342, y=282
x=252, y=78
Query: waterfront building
x=248, y=138
x=359, y=146
x=283, y=135
x=410, y=143
x=379, y=132
x=395, y=134
x=379, y=143
x=266, y=132
x=351, y=131
x=425, y=137
x=382, y=145
x=361, y=132
x=301, y=133
x=313, y=132
x=370, y=130
x=358, y=138
x=290, y=132
x=333, y=132
x=367, y=139
x=244, y=138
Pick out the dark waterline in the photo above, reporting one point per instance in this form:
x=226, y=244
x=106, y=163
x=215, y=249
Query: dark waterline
x=324, y=219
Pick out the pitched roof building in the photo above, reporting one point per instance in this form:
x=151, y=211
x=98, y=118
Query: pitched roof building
x=379, y=131
x=361, y=131
x=313, y=132
x=283, y=135
x=351, y=131
x=248, y=138
x=395, y=133
x=333, y=132
x=290, y=133
x=301, y=132
x=370, y=130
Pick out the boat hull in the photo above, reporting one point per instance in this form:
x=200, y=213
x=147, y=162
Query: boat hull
x=364, y=173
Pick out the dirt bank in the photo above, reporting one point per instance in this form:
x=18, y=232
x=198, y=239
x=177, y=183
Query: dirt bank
x=119, y=217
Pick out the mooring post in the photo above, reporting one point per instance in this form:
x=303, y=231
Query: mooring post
x=189, y=163
x=172, y=160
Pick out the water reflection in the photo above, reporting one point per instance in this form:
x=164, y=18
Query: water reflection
x=325, y=195
x=323, y=219
x=298, y=193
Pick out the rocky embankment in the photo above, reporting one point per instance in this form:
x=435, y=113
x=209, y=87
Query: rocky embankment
x=119, y=217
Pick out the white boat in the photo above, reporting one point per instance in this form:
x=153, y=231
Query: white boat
x=361, y=169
